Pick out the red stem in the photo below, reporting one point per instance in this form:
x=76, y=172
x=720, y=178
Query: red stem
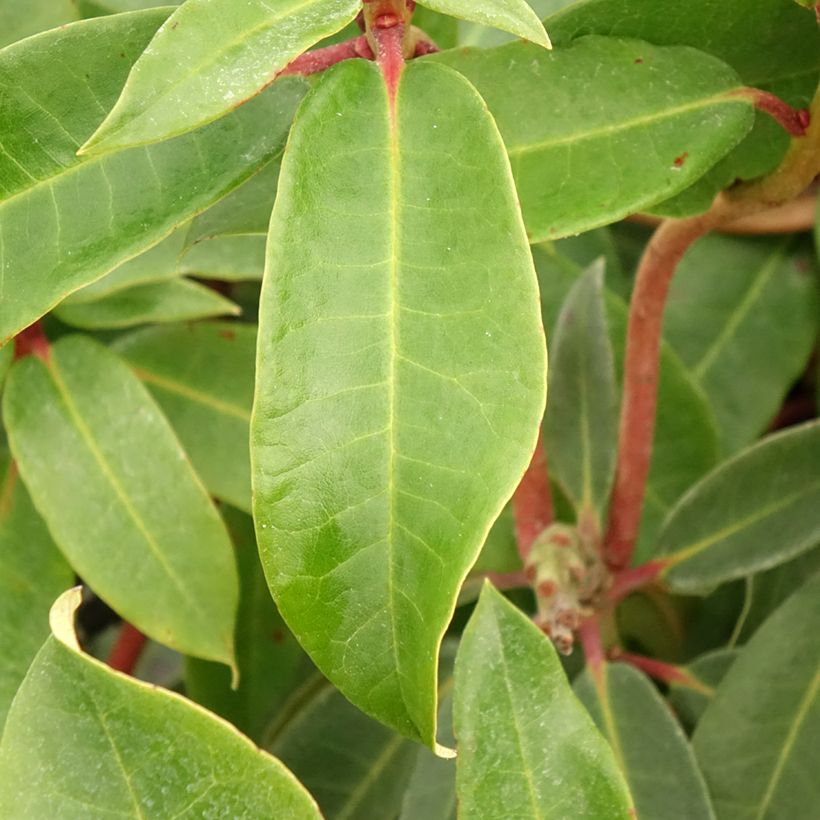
x=795, y=122
x=321, y=59
x=532, y=502
x=32, y=342
x=590, y=634
x=388, y=32
x=629, y=580
x=665, y=672
x=127, y=649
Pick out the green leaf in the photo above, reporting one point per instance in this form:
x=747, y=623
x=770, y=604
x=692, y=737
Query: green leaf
x=6, y=357
x=514, y=16
x=95, y=8
x=355, y=767
x=178, y=300
x=32, y=575
x=648, y=743
x=202, y=376
x=270, y=661
x=85, y=742
x=581, y=423
x=757, y=741
x=22, y=18
x=475, y=34
x=124, y=506
x=661, y=116
x=209, y=57
x=753, y=512
x=407, y=326
x=231, y=258
x=707, y=671
x=66, y=221
x=526, y=747
x=757, y=306
x=158, y=264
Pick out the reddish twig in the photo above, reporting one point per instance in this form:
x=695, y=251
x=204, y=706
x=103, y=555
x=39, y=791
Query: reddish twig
x=388, y=31
x=629, y=580
x=32, y=342
x=590, y=634
x=532, y=503
x=795, y=121
x=659, y=670
x=312, y=62
x=127, y=649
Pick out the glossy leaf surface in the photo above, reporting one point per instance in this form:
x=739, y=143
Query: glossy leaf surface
x=581, y=423
x=546, y=759
x=755, y=511
x=271, y=663
x=202, y=377
x=153, y=754
x=514, y=16
x=32, y=575
x=209, y=57
x=649, y=744
x=406, y=328
x=125, y=507
x=757, y=741
x=757, y=308
x=178, y=300
x=662, y=116
x=66, y=221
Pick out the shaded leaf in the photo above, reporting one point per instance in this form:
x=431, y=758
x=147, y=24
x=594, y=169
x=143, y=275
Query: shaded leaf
x=85, y=742
x=755, y=511
x=230, y=258
x=757, y=741
x=581, y=423
x=379, y=356
x=178, y=300
x=209, y=57
x=514, y=16
x=125, y=507
x=66, y=221
x=661, y=116
x=202, y=377
x=32, y=575
x=756, y=303
x=22, y=18
x=708, y=671
x=270, y=661
x=6, y=356
x=526, y=747
x=650, y=746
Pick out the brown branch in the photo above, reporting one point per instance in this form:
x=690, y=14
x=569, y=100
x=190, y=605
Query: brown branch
x=127, y=649
x=532, y=503
x=641, y=367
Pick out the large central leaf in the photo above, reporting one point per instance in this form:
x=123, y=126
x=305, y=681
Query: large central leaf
x=401, y=375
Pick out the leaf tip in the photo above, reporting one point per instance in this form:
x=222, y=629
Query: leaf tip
x=61, y=617
x=444, y=752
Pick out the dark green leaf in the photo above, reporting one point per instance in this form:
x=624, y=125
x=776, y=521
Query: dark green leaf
x=270, y=661
x=83, y=742
x=210, y=57
x=407, y=326
x=107, y=474
x=202, y=377
x=66, y=221
x=526, y=747
x=753, y=512
x=757, y=741
x=581, y=423
x=32, y=575
x=648, y=743
x=661, y=116
x=707, y=671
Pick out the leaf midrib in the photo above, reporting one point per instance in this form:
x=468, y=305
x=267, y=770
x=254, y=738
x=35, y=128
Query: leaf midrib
x=627, y=125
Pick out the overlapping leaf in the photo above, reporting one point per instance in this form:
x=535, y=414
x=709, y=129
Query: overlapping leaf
x=66, y=221
x=230, y=258
x=209, y=57
x=660, y=116
x=407, y=327
x=84, y=742
x=757, y=741
x=753, y=512
x=651, y=749
x=107, y=474
x=32, y=575
x=545, y=758
x=202, y=377
x=514, y=16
